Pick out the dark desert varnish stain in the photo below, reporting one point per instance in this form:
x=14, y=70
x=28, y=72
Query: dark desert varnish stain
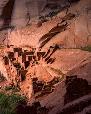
x=7, y=13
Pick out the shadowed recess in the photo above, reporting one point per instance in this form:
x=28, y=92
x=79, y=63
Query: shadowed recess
x=52, y=33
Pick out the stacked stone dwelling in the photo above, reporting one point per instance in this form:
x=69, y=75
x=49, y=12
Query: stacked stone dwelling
x=24, y=65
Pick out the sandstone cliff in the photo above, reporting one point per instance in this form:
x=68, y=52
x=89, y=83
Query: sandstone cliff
x=76, y=32
x=50, y=61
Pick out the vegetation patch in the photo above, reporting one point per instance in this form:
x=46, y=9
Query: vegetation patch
x=13, y=88
x=8, y=103
x=1, y=46
x=87, y=48
x=16, y=104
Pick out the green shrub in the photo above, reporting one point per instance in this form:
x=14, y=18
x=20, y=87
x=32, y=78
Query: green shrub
x=87, y=48
x=7, y=88
x=8, y=103
x=13, y=88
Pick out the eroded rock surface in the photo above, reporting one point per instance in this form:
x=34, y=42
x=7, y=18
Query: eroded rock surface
x=46, y=63
x=74, y=26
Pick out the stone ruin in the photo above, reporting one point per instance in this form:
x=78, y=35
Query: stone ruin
x=18, y=62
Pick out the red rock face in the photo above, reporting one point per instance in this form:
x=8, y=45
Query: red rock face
x=39, y=58
x=75, y=34
x=28, y=11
